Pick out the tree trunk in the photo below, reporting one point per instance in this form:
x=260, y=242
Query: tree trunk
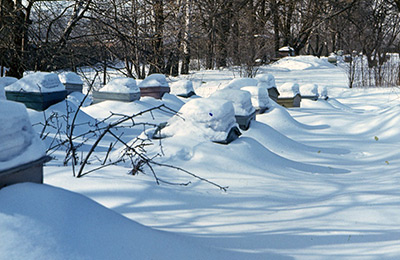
x=187, y=12
x=157, y=61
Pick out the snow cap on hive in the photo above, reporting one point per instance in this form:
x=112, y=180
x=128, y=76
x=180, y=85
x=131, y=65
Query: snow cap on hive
x=266, y=80
x=70, y=78
x=121, y=85
x=309, y=89
x=289, y=89
x=207, y=118
x=259, y=96
x=182, y=87
x=38, y=82
x=238, y=83
x=241, y=100
x=154, y=80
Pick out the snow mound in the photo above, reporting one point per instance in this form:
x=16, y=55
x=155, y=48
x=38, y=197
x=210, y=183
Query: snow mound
x=302, y=63
x=289, y=89
x=309, y=89
x=241, y=100
x=70, y=77
x=38, y=82
x=121, y=85
x=40, y=221
x=266, y=80
x=238, y=83
x=182, y=87
x=207, y=118
x=18, y=141
x=4, y=82
x=77, y=98
x=154, y=80
x=259, y=96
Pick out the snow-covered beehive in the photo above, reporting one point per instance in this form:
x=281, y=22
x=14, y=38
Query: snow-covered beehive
x=154, y=85
x=182, y=88
x=22, y=153
x=118, y=89
x=289, y=95
x=268, y=81
x=239, y=83
x=309, y=91
x=71, y=81
x=38, y=90
x=244, y=110
x=206, y=118
x=259, y=98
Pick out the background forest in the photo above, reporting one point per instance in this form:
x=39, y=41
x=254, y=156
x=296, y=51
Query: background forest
x=141, y=37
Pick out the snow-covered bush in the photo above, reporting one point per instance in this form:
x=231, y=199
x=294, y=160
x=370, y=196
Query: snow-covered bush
x=121, y=85
x=38, y=82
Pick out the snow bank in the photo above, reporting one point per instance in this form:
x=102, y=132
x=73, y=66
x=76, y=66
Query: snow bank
x=259, y=96
x=43, y=222
x=302, y=63
x=309, y=89
x=241, y=100
x=154, y=80
x=121, y=85
x=238, y=83
x=289, y=89
x=206, y=118
x=18, y=141
x=266, y=80
x=182, y=87
x=38, y=82
x=70, y=77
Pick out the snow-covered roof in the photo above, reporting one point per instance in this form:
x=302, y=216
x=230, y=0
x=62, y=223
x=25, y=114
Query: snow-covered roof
x=121, y=85
x=207, y=118
x=238, y=83
x=289, y=89
x=241, y=100
x=37, y=82
x=266, y=80
x=18, y=141
x=309, y=89
x=181, y=87
x=154, y=80
x=70, y=77
x=302, y=63
x=259, y=96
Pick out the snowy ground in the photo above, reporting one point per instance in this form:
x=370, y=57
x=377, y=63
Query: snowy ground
x=316, y=182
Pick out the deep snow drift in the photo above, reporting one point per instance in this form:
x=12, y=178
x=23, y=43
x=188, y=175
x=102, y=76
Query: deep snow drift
x=316, y=182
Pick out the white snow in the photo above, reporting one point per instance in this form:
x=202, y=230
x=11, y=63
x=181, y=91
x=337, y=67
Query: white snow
x=309, y=89
x=302, y=63
x=289, y=89
x=316, y=182
x=121, y=85
x=70, y=77
x=203, y=119
x=259, y=96
x=19, y=143
x=266, y=80
x=241, y=100
x=37, y=82
x=238, y=83
x=4, y=82
x=154, y=80
x=181, y=87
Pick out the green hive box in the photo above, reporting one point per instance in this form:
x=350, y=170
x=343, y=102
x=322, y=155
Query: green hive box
x=36, y=100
